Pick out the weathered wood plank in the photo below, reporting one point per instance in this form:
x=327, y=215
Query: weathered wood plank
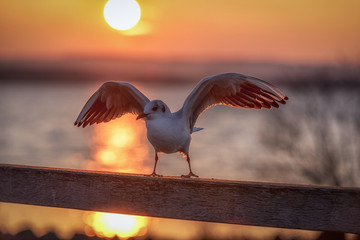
x=248, y=203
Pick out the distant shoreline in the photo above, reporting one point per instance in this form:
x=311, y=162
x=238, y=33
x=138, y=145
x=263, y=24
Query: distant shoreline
x=156, y=71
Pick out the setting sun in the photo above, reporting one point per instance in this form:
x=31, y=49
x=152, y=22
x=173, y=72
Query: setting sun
x=122, y=14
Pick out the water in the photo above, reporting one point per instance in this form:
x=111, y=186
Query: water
x=36, y=125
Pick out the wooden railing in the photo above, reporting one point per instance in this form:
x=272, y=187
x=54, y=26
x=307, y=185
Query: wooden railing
x=247, y=203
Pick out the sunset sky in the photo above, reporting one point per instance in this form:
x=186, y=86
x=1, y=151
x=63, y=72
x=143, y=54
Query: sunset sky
x=303, y=31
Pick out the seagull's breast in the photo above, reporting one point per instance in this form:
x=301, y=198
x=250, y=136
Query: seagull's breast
x=168, y=135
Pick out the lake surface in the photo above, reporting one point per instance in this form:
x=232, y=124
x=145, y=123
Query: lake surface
x=36, y=125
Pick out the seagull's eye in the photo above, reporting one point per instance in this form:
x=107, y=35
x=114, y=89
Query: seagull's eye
x=154, y=109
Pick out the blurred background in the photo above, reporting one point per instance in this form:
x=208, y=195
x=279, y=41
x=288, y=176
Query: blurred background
x=55, y=54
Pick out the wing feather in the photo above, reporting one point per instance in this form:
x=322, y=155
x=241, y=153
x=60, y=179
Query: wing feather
x=231, y=89
x=110, y=101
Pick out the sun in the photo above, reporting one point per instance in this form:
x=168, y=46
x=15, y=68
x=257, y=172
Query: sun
x=122, y=14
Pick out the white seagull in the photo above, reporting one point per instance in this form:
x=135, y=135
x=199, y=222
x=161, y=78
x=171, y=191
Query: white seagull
x=171, y=132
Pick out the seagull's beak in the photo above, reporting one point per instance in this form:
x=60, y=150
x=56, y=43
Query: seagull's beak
x=142, y=115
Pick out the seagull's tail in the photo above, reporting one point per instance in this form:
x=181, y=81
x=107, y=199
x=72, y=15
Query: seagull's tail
x=196, y=129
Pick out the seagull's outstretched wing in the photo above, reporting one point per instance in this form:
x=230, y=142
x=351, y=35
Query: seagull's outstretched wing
x=110, y=101
x=231, y=89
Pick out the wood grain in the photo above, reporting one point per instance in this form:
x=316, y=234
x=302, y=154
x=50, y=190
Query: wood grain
x=247, y=203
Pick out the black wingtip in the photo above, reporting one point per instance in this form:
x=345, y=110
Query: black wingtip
x=77, y=124
x=274, y=104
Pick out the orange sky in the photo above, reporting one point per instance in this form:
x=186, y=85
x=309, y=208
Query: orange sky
x=305, y=31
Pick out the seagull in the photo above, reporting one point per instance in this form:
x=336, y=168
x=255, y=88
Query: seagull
x=171, y=132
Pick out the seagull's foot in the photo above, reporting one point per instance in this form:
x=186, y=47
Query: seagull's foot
x=153, y=175
x=191, y=174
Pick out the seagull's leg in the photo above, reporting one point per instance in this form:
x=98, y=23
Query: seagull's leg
x=154, y=174
x=191, y=174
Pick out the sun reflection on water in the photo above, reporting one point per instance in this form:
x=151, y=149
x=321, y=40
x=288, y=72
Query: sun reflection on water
x=119, y=145
x=110, y=225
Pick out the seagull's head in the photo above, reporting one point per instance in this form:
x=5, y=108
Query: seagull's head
x=154, y=109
